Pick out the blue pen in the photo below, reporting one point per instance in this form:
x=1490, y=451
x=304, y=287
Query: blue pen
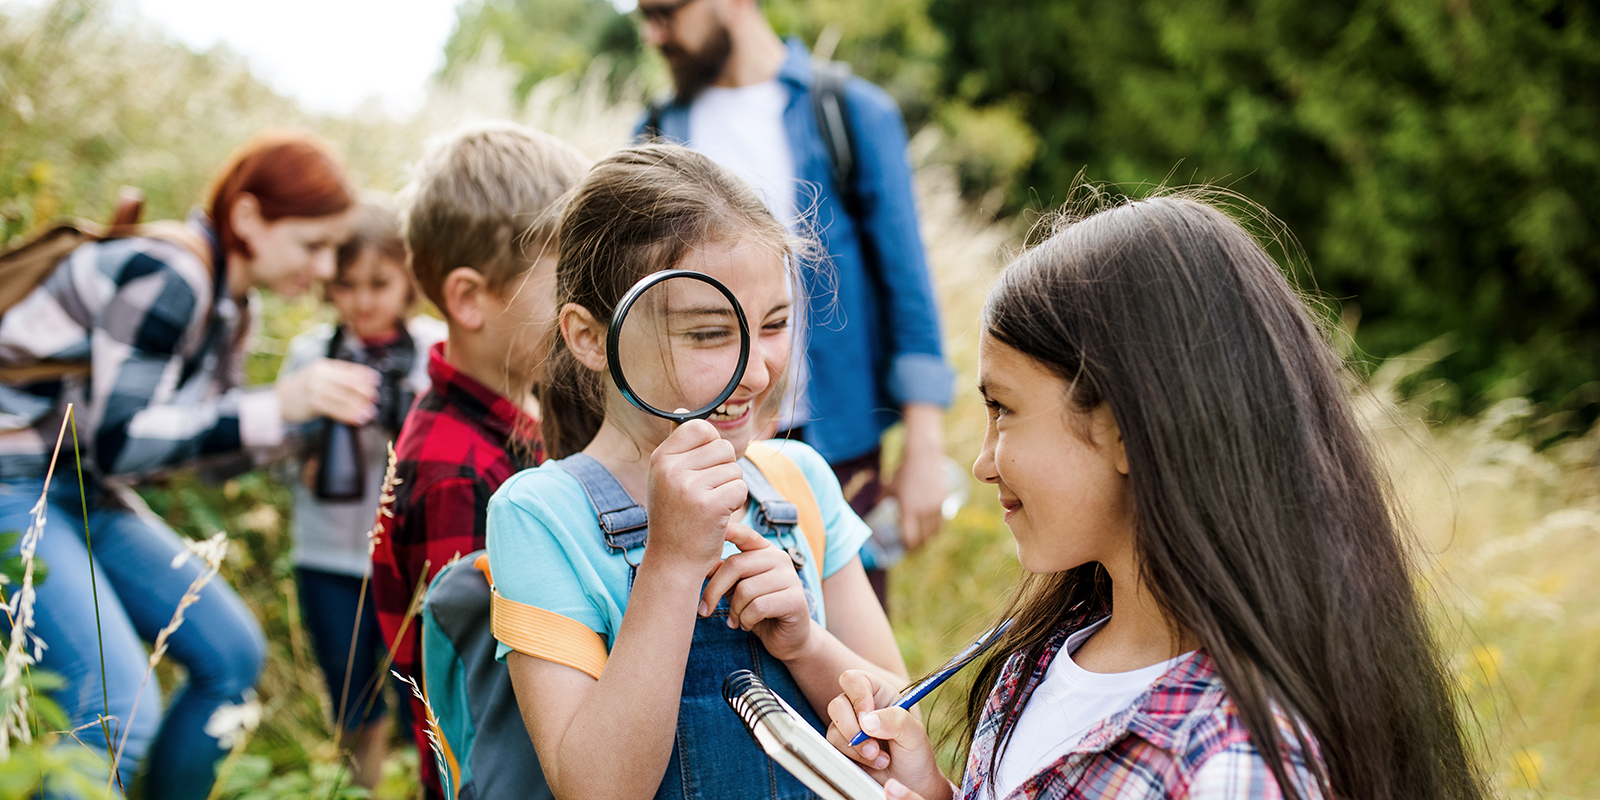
x=921, y=689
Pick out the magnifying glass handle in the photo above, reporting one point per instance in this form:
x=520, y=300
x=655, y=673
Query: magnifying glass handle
x=794, y=554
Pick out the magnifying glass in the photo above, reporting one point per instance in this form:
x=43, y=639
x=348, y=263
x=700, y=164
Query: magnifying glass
x=678, y=345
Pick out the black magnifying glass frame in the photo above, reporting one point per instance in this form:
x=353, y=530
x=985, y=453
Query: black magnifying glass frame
x=614, y=335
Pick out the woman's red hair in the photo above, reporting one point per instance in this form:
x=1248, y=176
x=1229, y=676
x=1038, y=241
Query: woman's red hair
x=289, y=175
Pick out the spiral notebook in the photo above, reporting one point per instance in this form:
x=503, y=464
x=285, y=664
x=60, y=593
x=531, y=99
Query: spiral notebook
x=794, y=744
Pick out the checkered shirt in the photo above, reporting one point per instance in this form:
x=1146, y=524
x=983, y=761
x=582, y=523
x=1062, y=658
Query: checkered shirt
x=160, y=332
x=1182, y=738
x=458, y=444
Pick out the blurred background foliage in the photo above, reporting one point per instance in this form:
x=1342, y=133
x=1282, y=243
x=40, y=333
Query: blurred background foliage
x=1436, y=158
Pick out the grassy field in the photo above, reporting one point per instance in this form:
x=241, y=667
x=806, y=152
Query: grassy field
x=1507, y=538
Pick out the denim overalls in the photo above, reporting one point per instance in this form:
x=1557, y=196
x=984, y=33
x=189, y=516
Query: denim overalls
x=713, y=755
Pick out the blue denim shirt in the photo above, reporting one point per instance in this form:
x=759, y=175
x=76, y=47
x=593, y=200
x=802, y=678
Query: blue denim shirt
x=874, y=343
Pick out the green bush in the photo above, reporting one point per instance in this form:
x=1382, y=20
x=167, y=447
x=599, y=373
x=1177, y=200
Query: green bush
x=1437, y=158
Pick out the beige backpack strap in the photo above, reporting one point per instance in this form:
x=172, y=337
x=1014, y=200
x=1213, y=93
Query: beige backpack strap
x=23, y=268
x=179, y=234
x=536, y=632
x=129, y=210
x=42, y=371
x=786, y=477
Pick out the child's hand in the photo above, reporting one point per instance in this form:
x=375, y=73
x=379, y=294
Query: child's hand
x=899, y=748
x=695, y=487
x=767, y=597
x=330, y=388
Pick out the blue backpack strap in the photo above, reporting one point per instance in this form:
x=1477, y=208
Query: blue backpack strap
x=772, y=509
x=621, y=520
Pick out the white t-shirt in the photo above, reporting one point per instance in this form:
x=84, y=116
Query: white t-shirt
x=1066, y=705
x=741, y=128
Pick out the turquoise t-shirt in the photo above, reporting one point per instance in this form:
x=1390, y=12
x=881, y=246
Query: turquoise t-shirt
x=546, y=548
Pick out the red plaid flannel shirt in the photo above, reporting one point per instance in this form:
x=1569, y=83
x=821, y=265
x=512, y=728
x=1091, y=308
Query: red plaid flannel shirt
x=1155, y=748
x=459, y=443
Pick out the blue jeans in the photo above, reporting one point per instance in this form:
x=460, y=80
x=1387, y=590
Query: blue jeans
x=328, y=603
x=713, y=755
x=219, y=644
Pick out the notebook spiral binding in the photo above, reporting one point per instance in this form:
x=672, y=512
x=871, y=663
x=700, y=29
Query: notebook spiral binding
x=749, y=697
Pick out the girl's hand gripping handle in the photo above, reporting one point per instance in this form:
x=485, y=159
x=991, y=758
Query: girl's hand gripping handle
x=695, y=488
x=899, y=750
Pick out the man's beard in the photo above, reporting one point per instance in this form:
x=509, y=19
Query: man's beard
x=693, y=72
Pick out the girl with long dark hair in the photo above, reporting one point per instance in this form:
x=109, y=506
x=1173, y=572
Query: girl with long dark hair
x=1219, y=602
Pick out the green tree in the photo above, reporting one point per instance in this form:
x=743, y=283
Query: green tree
x=891, y=43
x=542, y=38
x=1437, y=158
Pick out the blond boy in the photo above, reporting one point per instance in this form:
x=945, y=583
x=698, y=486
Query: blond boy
x=480, y=238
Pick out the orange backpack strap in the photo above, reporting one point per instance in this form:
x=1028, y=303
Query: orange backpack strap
x=533, y=631
x=786, y=477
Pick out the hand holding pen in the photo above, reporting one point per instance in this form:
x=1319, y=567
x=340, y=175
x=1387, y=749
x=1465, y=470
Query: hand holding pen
x=921, y=688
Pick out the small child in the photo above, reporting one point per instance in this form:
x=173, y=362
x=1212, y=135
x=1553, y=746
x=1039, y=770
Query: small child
x=481, y=253
x=1219, y=604
x=372, y=291
x=620, y=680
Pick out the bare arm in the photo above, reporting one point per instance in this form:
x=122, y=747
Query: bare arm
x=630, y=714
x=919, y=482
x=628, y=717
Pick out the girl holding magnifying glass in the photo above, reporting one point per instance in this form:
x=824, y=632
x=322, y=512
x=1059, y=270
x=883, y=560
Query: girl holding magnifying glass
x=618, y=675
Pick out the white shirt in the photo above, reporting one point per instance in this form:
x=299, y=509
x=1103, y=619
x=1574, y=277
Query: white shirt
x=1066, y=705
x=741, y=128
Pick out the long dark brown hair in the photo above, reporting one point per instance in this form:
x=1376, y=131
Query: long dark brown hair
x=1262, y=524
x=640, y=210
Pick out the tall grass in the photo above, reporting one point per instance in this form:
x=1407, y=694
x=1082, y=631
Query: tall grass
x=1508, y=538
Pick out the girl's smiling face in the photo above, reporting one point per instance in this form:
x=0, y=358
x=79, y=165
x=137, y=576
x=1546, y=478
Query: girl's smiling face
x=371, y=294
x=1062, y=474
x=700, y=346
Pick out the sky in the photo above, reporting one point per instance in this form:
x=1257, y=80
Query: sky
x=331, y=55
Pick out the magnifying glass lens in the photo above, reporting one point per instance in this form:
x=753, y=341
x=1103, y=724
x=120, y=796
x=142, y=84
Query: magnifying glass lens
x=681, y=345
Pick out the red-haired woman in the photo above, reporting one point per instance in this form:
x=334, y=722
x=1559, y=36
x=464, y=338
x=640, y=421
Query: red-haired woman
x=161, y=330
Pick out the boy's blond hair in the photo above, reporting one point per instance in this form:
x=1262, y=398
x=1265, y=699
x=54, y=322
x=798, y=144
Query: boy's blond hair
x=480, y=198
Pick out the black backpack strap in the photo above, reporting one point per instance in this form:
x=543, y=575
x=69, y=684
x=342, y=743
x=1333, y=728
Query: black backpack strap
x=652, y=120
x=335, y=341
x=832, y=111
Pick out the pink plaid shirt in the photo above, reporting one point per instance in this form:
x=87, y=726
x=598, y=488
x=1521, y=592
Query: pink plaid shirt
x=1183, y=738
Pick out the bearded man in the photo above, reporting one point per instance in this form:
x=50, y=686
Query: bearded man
x=872, y=353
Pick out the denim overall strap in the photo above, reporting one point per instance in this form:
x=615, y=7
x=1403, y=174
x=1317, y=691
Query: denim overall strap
x=779, y=518
x=621, y=520
x=713, y=755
